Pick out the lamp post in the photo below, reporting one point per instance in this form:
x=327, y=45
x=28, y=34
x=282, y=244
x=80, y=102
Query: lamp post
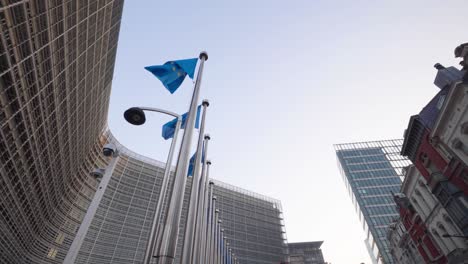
x=136, y=116
x=109, y=150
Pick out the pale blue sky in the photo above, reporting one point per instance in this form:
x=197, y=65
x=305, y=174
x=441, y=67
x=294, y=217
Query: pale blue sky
x=286, y=80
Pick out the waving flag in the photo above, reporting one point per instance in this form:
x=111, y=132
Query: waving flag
x=192, y=161
x=168, y=129
x=172, y=73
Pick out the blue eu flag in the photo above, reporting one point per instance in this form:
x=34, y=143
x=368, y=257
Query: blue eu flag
x=191, y=166
x=168, y=129
x=173, y=73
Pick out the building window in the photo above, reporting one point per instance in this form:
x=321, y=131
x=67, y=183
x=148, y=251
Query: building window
x=52, y=253
x=464, y=128
x=458, y=144
x=60, y=238
x=425, y=160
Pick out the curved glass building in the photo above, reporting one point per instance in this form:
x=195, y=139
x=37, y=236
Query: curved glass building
x=56, y=68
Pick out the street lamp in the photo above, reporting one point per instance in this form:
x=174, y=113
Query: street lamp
x=109, y=150
x=136, y=116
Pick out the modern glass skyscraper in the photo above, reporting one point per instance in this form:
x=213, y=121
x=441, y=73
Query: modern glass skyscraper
x=371, y=172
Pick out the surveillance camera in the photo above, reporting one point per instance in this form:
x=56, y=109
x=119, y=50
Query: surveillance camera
x=98, y=173
x=109, y=150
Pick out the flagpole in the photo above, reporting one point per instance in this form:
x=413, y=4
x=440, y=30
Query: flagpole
x=211, y=227
x=205, y=216
x=221, y=245
x=188, y=253
x=227, y=252
x=155, y=234
x=225, y=244
x=201, y=209
x=218, y=234
x=215, y=235
x=168, y=246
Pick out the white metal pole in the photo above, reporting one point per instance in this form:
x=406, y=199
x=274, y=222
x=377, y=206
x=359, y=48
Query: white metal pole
x=200, y=230
x=156, y=232
x=212, y=231
x=168, y=246
x=218, y=242
x=207, y=246
x=221, y=245
x=91, y=212
x=215, y=237
x=190, y=226
x=225, y=250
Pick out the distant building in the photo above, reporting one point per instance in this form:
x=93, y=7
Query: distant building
x=305, y=253
x=371, y=172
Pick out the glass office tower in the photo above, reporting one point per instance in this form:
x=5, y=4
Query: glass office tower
x=371, y=172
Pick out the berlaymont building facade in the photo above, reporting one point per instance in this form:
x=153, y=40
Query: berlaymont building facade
x=56, y=68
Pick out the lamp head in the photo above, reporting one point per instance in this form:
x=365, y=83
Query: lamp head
x=135, y=116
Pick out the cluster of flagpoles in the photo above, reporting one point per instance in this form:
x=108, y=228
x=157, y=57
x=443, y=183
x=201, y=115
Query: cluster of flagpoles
x=204, y=238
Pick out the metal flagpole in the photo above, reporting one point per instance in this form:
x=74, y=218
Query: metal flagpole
x=168, y=246
x=155, y=234
x=200, y=229
x=206, y=247
x=230, y=256
x=215, y=236
x=91, y=211
x=227, y=253
x=224, y=250
x=221, y=246
x=190, y=226
x=203, y=232
x=220, y=236
x=212, y=221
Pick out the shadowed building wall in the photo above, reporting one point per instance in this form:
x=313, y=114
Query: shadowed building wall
x=56, y=67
